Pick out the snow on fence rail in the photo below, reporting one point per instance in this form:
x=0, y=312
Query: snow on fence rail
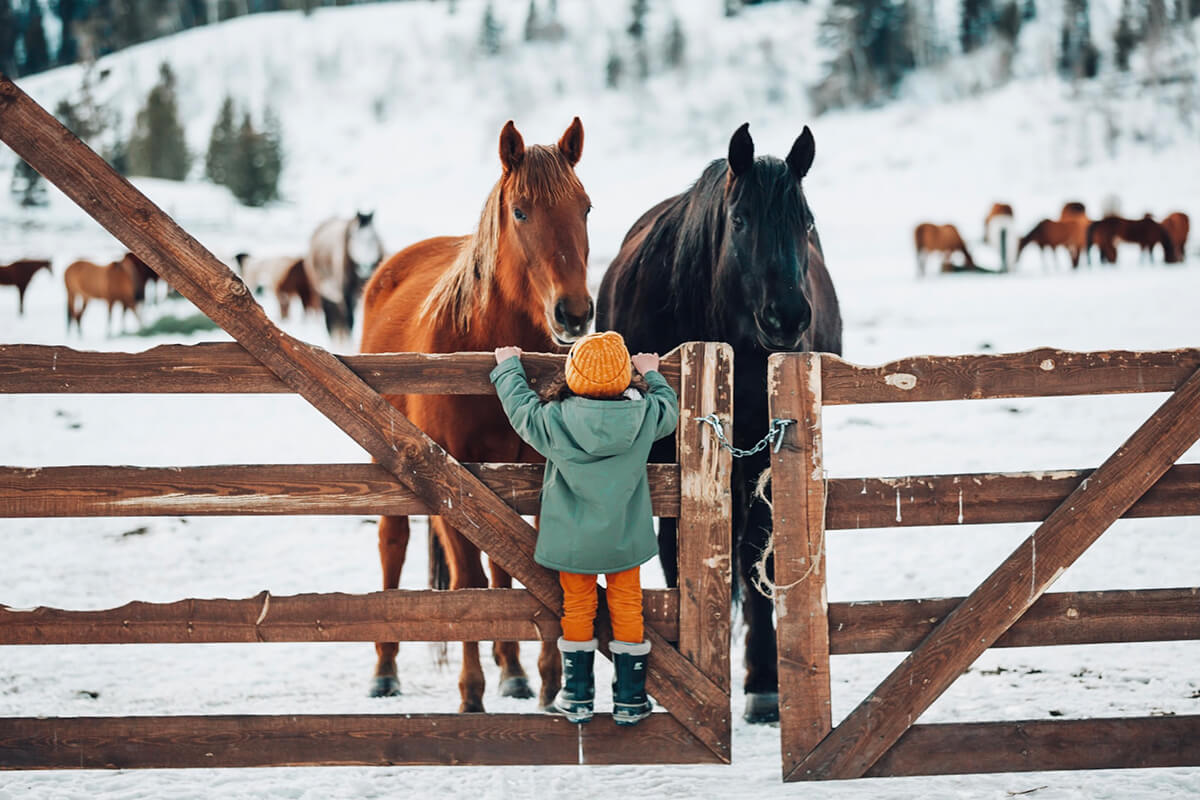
x=1009, y=609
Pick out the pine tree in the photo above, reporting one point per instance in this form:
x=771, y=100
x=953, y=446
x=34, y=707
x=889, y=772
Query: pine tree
x=27, y=186
x=8, y=39
x=872, y=51
x=976, y=21
x=218, y=160
x=1126, y=36
x=256, y=163
x=68, y=44
x=614, y=67
x=1008, y=22
x=676, y=46
x=532, y=25
x=1078, y=57
x=637, y=23
x=490, y=32
x=37, y=53
x=157, y=147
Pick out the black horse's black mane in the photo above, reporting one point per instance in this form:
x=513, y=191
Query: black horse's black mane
x=688, y=237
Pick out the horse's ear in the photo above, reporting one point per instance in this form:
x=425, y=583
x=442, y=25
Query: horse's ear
x=571, y=143
x=801, y=156
x=512, y=147
x=741, y=150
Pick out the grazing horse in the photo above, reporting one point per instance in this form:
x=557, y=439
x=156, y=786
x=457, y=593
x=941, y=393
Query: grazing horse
x=1000, y=215
x=19, y=274
x=283, y=275
x=944, y=239
x=1145, y=232
x=1176, y=225
x=735, y=258
x=119, y=282
x=520, y=279
x=341, y=256
x=1072, y=209
x=1069, y=233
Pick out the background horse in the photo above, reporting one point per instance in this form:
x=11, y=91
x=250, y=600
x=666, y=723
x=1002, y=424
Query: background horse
x=283, y=275
x=342, y=254
x=19, y=274
x=1145, y=232
x=944, y=239
x=1000, y=215
x=520, y=279
x=1056, y=233
x=1176, y=224
x=119, y=282
x=736, y=258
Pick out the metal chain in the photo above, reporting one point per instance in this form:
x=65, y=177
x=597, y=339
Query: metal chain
x=774, y=436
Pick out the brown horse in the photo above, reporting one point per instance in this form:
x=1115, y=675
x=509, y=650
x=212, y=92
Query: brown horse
x=944, y=239
x=19, y=274
x=284, y=275
x=119, y=282
x=1072, y=209
x=1176, y=224
x=1145, y=232
x=998, y=214
x=1069, y=233
x=520, y=279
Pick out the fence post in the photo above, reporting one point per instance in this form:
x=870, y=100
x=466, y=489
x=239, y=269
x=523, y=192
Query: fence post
x=801, y=606
x=705, y=507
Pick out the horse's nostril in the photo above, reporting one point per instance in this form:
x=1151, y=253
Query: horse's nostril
x=560, y=313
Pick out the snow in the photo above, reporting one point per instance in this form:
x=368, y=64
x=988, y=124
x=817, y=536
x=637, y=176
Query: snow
x=386, y=107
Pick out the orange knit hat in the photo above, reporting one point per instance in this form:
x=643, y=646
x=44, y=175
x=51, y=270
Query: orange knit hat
x=598, y=365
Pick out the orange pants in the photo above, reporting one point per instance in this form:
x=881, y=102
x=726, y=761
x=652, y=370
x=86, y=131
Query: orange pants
x=624, y=593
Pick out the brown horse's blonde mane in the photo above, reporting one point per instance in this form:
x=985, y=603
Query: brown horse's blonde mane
x=544, y=177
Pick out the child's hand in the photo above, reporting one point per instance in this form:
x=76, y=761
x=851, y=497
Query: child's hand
x=505, y=353
x=645, y=362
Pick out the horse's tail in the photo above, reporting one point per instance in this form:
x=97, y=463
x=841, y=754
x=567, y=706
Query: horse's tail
x=439, y=567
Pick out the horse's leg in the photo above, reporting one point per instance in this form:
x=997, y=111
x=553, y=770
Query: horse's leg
x=751, y=523
x=393, y=546
x=507, y=655
x=466, y=572
x=20, y=300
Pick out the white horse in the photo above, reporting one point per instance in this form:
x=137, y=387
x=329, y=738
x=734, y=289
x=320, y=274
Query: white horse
x=282, y=275
x=342, y=254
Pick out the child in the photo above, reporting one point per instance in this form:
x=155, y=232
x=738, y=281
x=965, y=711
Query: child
x=595, y=433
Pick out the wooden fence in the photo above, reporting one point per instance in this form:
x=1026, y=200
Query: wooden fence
x=1009, y=609
x=411, y=474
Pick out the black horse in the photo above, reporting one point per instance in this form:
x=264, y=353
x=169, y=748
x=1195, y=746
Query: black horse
x=736, y=258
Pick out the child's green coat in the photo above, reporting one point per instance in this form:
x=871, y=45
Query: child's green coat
x=595, y=515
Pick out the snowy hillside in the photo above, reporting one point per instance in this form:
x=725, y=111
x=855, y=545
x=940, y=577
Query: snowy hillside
x=391, y=107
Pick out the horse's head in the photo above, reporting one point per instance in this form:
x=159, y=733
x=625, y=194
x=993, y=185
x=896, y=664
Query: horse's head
x=542, y=218
x=363, y=244
x=764, y=255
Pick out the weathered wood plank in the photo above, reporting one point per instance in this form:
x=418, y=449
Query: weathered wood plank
x=325, y=382
x=340, y=740
x=1038, y=745
x=794, y=390
x=1037, y=373
x=705, y=538
x=226, y=368
x=334, y=489
x=1141, y=615
x=876, y=724
x=401, y=615
x=984, y=498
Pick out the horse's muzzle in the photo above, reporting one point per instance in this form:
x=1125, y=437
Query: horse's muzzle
x=567, y=327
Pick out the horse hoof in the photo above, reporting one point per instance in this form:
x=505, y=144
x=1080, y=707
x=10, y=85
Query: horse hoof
x=385, y=686
x=517, y=687
x=761, y=707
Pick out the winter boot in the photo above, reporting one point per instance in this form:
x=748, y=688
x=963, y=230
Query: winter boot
x=575, y=698
x=630, y=704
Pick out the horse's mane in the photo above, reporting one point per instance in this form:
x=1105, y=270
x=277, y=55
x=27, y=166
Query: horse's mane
x=688, y=236
x=544, y=176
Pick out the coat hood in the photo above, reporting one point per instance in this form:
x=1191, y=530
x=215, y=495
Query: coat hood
x=604, y=427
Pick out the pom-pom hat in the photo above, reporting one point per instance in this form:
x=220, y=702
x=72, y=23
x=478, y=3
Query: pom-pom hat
x=598, y=365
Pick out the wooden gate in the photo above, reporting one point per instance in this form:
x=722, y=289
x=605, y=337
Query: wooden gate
x=412, y=474
x=1009, y=609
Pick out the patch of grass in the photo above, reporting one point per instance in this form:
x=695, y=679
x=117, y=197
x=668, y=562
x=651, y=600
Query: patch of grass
x=171, y=324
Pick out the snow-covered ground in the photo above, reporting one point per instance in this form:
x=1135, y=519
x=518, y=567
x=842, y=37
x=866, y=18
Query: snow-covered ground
x=382, y=108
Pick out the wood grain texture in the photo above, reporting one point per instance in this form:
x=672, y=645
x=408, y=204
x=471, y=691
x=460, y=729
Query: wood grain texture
x=794, y=384
x=340, y=740
x=325, y=382
x=1038, y=745
x=705, y=538
x=1130, y=615
x=1036, y=373
x=226, y=368
x=264, y=489
x=875, y=725
x=985, y=498
x=402, y=615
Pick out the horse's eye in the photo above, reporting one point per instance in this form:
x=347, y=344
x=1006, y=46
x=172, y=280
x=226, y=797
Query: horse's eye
x=738, y=222
x=812, y=223
x=519, y=214
x=589, y=210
